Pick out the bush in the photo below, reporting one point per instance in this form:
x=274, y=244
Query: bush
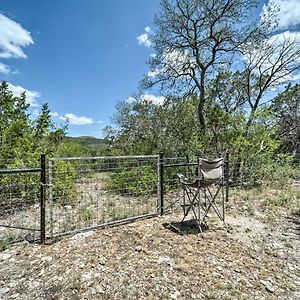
x=136, y=181
x=64, y=176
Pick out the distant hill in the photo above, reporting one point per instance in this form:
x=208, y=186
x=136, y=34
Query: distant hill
x=87, y=141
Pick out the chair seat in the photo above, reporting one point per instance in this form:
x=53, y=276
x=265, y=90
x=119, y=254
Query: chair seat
x=199, y=195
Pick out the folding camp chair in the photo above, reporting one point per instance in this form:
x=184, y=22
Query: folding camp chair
x=202, y=194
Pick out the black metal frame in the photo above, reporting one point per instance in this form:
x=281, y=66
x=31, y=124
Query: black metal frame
x=42, y=171
x=161, y=169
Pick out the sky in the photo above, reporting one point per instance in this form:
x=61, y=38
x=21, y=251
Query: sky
x=82, y=57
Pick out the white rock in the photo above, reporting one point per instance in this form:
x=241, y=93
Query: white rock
x=269, y=287
x=47, y=259
x=175, y=295
x=15, y=296
x=4, y=291
x=100, y=290
x=68, y=207
x=81, y=236
x=4, y=256
x=86, y=277
x=165, y=260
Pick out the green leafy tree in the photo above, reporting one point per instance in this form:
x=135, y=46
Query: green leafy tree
x=286, y=108
x=20, y=136
x=145, y=127
x=195, y=39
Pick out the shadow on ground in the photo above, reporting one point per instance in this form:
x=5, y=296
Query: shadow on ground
x=294, y=220
x=186, y=227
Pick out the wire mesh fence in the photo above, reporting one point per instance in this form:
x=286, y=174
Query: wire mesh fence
x=19, y=200
x=258, y=183
x=172, y=189
x=91, y=192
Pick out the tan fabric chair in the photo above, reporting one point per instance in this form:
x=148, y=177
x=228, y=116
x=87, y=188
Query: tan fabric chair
x=205, y=192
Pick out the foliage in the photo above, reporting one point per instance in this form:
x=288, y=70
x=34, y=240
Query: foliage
x=144, y=127
x=195, y=41
x=286, y=108
x=4, y=244
x=23, y=140
x=64, y=175
x=133, y=181
x=20, y=136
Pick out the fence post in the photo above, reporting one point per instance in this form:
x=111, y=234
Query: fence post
x=226, y=176
x=51, y=196
x=160, y=167
x=42, y=199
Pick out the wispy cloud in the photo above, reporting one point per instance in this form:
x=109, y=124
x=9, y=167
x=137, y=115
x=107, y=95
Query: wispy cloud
x=54, y=114
x=13, y=37
x=5, y=69
x=31, y=96
x=76, y=120
x=289, y=13
x=157, y=100
x=144, y=38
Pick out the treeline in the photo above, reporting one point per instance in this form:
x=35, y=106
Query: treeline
x=268, y=148
x=172, y=127
x=226, y=76
x=24, y=138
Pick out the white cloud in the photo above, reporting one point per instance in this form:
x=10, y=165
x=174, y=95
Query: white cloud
x=131, y=100
x=157, y=100
x=265, y=57
x=35, y=112
x=54, y=114
x=75, y=120
x=144, y=39
x=12, y=38
x=31, y=96
x=286, y=36
x=288, y=12
x=5, y=69
x=153, y=73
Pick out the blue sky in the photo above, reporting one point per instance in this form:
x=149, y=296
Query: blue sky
x=82, y=56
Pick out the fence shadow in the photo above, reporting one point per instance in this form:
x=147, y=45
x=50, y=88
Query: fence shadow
x=294, y=220
x=186, y=227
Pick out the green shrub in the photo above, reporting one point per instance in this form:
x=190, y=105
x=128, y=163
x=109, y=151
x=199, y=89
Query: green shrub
x=136, y=181
x=64, y=177
x=4, y=244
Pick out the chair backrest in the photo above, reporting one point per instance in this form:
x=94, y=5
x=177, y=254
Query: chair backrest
x=211, y=170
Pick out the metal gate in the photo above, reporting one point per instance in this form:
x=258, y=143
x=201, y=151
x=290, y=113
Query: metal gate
x=93, y=192
x=22, y=202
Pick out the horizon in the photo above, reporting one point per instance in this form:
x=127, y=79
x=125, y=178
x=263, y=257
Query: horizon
x=82, y=58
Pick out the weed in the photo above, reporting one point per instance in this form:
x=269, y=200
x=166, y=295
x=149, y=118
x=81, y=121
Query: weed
x=85, y=214
x=4, y=244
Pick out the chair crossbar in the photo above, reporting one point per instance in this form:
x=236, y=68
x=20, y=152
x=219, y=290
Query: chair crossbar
x=199, y=197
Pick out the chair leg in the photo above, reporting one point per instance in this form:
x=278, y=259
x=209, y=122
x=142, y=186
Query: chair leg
x=191, y=203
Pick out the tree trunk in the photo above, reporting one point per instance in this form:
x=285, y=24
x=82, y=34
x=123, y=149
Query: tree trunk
x=201, y=117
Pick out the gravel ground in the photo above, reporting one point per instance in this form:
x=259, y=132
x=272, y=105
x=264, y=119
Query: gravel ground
x=259, y=258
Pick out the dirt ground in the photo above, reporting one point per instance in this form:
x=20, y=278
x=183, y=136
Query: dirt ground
x=259, y=258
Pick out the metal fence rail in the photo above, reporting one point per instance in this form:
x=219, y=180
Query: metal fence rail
x=81, y=193
x=21, y=201
x=92, y=192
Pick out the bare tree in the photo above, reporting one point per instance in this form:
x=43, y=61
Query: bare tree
x=194, y=39
x=268, y=64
